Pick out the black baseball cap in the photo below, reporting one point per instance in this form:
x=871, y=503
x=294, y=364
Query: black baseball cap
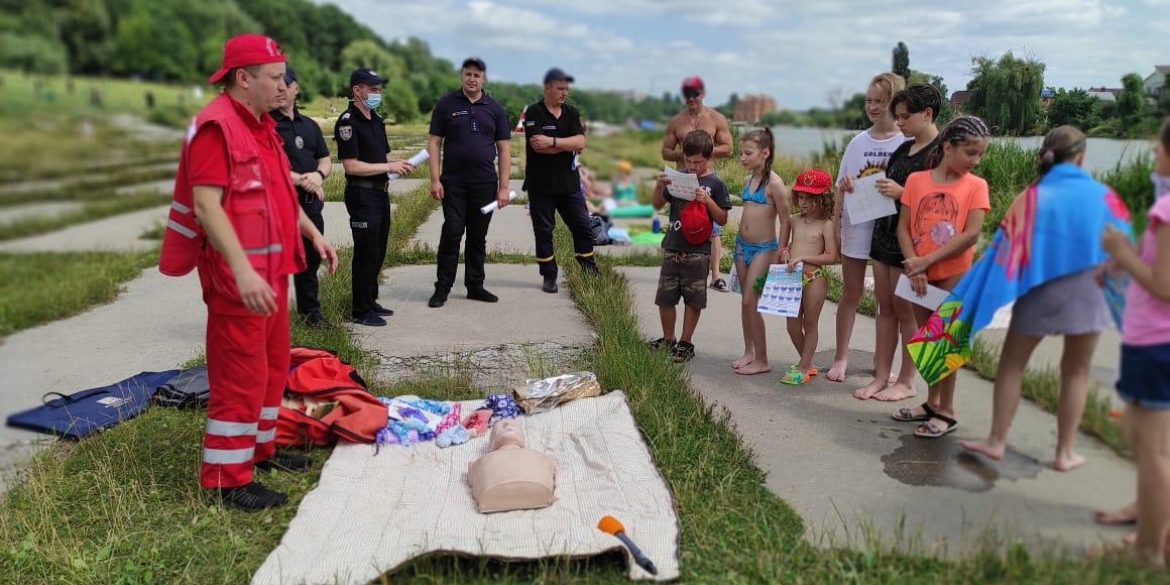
x=290, y=76
x=474, y=62
x=557, y=74
x=365, y=77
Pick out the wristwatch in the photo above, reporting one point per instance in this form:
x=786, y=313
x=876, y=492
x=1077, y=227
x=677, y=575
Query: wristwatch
x=554, y=141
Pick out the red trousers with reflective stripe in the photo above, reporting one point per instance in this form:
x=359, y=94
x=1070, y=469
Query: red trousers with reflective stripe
x=247, y=370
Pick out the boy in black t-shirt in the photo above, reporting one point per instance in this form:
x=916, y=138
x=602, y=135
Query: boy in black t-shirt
x=687, y=245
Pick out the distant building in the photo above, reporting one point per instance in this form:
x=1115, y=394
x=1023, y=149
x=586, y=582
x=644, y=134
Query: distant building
x=1155, y=81
x=750, y=108
x=958, y=99
x=1046, y=96
x=1105, y=94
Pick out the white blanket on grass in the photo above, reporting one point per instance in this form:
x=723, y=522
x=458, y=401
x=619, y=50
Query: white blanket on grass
x=369, y=514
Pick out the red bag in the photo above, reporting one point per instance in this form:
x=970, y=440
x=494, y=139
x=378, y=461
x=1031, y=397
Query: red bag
x=326, y=400
x=695, y=223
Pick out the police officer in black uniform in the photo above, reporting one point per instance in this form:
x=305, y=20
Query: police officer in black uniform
x=554, y=135
x=473, y=131
x=364, y=151
x=308, y=157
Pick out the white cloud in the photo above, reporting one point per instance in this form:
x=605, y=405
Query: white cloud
x=796, y=50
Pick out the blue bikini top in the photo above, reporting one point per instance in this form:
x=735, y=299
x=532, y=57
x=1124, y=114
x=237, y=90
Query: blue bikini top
x=757, y=196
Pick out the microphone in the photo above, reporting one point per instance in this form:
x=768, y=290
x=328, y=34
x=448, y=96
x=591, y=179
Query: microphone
x=612, y=526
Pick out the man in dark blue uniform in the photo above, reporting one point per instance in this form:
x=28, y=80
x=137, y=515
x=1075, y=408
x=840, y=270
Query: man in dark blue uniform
x=308, y=157
x=554, y=135
x=473, y=130
x=364, y=151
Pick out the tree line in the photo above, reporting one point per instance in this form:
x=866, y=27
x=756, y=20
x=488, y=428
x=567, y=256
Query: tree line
x=1007, y=93
x=181, y=41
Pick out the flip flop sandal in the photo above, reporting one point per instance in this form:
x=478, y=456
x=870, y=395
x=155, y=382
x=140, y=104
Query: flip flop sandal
x=794, y=377
x=928, y=430
x=907, y=414
x=813, y=371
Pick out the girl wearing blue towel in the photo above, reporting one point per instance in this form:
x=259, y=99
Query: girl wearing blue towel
x=765, y=202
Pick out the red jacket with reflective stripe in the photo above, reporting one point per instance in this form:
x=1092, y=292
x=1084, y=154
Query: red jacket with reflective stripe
x=250, y=207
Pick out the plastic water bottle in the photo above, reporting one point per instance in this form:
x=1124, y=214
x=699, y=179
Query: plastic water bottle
x=656, y=225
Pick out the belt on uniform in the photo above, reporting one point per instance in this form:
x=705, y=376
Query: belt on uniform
x=368, y=184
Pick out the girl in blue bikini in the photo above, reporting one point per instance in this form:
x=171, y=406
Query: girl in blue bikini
x=765, y=202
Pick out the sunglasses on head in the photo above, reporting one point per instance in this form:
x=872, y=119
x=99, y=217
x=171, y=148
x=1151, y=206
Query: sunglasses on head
x=692, y=93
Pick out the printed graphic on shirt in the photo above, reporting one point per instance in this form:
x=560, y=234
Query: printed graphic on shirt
x=873, y=166
x=936, y=218
x=345, y=132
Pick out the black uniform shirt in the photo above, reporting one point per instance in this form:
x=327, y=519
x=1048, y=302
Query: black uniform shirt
x=469, y=131
x=304, y=143
x=551, y=173
x=361, y=138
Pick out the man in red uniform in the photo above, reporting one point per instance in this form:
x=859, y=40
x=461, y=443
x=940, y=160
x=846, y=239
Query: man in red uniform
x=235, y=217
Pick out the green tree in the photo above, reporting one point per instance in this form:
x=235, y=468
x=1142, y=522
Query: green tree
x=87, y=34
x=1075, y=107
x=901, y=61
x=1006, y=93
x=34, y=54
x=1131, y=103
x=1164, y=100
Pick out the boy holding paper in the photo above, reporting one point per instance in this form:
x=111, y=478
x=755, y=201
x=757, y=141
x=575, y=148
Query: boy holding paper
x=687, y=245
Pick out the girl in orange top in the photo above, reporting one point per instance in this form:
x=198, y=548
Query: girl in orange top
x=942, y=213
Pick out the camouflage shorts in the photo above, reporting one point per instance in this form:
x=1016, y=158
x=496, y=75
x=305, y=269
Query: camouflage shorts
x=684, y=275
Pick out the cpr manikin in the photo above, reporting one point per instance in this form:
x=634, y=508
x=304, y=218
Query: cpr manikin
x=511, y=476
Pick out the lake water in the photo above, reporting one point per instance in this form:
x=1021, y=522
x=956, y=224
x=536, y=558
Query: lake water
x=1101, y=154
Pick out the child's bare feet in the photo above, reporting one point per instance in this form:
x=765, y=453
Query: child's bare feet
x=1068, y=462
x=754, y=368
x=896, y=392
x=986, y=448
x=744, y=360
x=1126, y=515
x=837, y=372
x=866, y=392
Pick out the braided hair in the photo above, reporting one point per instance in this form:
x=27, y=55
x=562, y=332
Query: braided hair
x=960, y=130
x=764, y=139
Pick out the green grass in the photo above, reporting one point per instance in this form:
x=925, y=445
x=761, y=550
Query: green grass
x=91, y=211
x=123, y=506
x=42, y=287
x=43, y=137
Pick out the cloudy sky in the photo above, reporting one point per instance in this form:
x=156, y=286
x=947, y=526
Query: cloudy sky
x=800, y=52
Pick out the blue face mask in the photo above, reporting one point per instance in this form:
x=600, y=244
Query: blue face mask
x=373, y=100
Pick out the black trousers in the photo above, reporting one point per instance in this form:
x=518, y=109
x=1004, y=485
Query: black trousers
x=571, y=206
x=305, y=282
x=461, y=203
x=369, y=219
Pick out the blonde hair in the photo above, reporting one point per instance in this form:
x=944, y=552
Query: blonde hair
x=888, y=84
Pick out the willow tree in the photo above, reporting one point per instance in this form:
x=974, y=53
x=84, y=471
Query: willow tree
x=1006, y=93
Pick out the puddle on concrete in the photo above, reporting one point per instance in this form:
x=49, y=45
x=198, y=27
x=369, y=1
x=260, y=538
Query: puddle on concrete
x=943, y=463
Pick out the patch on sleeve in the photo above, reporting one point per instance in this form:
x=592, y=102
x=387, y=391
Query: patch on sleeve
x=345, y=132
x=345, y=116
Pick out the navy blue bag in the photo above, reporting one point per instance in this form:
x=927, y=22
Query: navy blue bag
x=81, y=413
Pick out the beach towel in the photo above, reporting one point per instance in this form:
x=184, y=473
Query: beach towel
x=1051, y=230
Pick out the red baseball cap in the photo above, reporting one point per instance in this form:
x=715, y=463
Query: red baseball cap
x=693, y=82
x=247, y=49
x=813, y=181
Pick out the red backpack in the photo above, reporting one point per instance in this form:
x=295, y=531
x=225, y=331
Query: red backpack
x=695, y=223
x=326, y=400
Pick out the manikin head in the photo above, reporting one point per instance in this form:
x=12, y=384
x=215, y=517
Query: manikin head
x=507, y=433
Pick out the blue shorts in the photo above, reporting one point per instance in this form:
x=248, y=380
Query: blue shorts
x=1145, y=376
x=716, y=230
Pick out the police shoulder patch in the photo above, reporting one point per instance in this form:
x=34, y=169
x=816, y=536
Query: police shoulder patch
x=345, y=132
x=345, y=116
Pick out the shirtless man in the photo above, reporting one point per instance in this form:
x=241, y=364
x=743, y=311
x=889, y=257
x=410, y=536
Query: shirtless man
x=696, y=116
